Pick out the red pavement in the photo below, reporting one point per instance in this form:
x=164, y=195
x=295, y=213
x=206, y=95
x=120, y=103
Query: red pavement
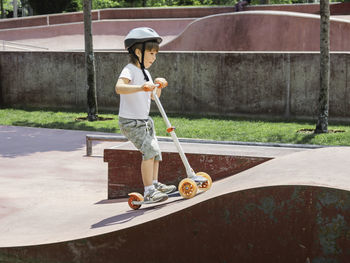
x=51, y=192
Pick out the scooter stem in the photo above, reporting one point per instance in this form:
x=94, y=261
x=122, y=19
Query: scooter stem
x=189, y=170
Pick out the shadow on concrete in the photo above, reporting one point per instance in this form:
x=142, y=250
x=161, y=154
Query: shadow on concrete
x=130, y=215
x=297, y=138
x=119, y=219
x=23, y=141
x=80, y=124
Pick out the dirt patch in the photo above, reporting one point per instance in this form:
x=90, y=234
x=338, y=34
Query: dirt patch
x=98, y=119
x=312, y=131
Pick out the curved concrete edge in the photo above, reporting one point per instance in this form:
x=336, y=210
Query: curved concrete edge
x=278, y=30
x=294, y=208
x=324, y=167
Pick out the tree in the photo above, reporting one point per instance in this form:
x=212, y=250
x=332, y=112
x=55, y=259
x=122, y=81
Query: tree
x=2, y=8
x=15, y=8
x=42, y=7
x=322, y=123
x=90, y=63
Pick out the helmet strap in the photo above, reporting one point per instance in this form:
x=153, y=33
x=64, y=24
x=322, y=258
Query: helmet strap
x=142, y=59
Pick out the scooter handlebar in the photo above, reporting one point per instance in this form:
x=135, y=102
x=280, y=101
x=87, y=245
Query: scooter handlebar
x=161, y=82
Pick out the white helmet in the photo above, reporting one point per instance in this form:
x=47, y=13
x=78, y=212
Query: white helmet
x=141, y=35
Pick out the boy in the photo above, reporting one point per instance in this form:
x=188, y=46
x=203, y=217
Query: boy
x=135, y=88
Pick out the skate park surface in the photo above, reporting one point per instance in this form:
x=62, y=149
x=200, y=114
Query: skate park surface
x=54, y=205
x=258, y=28
x=53, y=198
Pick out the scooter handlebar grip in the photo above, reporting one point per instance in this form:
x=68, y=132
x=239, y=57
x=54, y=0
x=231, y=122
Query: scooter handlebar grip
x=161, y=82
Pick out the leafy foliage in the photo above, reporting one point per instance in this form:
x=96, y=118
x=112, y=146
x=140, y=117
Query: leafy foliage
x=101, y=4
x=49, y=6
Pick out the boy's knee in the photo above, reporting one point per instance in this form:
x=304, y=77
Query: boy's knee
x=156, y=155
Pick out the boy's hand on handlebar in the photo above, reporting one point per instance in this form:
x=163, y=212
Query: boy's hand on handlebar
x=148, y=86
x=162, y=83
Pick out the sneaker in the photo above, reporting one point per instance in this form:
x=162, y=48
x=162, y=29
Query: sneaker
x=167, y=189
x=155, y=196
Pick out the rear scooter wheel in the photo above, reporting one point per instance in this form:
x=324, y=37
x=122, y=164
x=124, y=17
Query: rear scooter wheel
x=135, y=197
x=207, y=185
x=188, y=188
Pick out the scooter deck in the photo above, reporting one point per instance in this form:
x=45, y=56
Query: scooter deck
x=173, y=194
x=187, y=188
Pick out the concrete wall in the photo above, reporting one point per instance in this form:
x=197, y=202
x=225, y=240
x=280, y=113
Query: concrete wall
x=219, y=83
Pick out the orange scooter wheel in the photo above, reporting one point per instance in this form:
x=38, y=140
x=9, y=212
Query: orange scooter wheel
x=134, y=197
x=188, y=188
x=207, y=185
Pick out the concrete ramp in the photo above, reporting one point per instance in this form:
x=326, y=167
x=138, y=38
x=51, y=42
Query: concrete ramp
x=260, y=31
x=294, y=208
x=108, y=34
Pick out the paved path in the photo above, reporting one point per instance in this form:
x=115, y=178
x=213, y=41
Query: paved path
x=50, y=189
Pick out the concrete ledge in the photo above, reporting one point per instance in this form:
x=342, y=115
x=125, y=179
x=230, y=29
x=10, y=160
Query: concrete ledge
x=120, y=138
x=96, y=137
x=124, y=177
x=70, y=18
x=163, y=12
x=23, y=22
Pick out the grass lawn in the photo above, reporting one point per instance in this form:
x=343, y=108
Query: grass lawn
x=211, y=128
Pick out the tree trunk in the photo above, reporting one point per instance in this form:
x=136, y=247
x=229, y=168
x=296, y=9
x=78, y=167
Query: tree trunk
x=15, y=8
x=322, y=123
x=89, y=63
x=2, y=9
x=24, y=6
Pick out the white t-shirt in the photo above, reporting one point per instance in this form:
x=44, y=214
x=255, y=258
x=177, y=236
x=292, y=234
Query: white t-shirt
x=135, y=105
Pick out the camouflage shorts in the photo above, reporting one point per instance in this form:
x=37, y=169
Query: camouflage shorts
x=142, y=134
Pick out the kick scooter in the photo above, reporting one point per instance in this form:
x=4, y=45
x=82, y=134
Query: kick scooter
x=188, y=187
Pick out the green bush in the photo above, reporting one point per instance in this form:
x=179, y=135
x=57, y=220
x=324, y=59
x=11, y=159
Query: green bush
x=48, y=6
x=76, y=5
